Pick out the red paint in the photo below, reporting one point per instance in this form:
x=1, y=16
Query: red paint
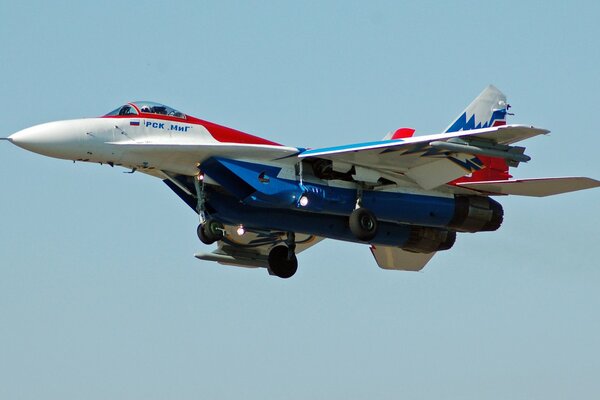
x=403, y=133
x=229, y=135
x=495, y=169
x=219, y=132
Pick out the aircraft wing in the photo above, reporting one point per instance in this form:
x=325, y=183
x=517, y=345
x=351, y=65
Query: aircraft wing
x=431, y=160
x=388, y=257
x=252, y=248
x=183, y=157
x=537, y=187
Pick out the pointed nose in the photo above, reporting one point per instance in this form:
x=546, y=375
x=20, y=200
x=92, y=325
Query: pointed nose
x=61, y=139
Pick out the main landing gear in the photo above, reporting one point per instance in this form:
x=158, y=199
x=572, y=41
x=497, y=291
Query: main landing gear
x=362, y=222
x=282, y=262
x=282, y=259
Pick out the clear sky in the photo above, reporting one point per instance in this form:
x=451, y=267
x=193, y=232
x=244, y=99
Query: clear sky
x=101, y=297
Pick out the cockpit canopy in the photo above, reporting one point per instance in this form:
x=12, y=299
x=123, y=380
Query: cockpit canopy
x=145, y=107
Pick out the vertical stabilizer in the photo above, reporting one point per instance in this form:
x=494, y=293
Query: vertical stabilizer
x=488, y=109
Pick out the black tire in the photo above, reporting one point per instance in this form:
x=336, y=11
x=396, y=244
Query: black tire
x=280, y=264
x=363, y=224
x=210, y=231
x=202, y=235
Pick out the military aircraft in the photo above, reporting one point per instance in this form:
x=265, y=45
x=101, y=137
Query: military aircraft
x=262, y=203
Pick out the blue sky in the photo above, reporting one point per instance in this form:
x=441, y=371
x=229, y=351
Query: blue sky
x=100, y=296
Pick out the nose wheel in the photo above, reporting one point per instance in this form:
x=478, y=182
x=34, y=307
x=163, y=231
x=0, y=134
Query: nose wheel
x=210, y=231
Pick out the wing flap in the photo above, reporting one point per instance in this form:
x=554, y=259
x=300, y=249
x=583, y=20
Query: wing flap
x=439, y=172
x=538, y=187
x=395, y=258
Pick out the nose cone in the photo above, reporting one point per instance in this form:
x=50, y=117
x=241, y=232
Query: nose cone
x=61, y=139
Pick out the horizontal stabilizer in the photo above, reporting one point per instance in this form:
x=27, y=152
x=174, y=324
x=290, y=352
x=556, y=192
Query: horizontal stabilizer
x=388, y=257
x=538, y=187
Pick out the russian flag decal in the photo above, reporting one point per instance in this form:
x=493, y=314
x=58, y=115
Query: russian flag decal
x=134, y=123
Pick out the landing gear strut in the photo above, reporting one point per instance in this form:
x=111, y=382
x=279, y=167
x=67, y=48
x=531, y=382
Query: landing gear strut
x=200, y=196
x=209, y=230
x=282, y=259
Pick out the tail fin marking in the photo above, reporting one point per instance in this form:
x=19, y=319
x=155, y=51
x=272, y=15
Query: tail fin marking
x=488, y=109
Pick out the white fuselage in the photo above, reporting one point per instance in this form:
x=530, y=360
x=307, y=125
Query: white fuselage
x=104, y=140
x=155, y=146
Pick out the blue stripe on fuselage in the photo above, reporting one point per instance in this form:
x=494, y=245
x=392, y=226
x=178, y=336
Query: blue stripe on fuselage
x=348, y=147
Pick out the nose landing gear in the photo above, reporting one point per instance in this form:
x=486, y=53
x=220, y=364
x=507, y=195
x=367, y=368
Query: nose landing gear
x=210, y=231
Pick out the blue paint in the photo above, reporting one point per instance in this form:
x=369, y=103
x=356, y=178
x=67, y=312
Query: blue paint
x=349, y=147
x=268, y=190
x=230, y=211
x=224, y=177
x=472, y=164
x=257, y=185
x=463, y=124
x=409, y=208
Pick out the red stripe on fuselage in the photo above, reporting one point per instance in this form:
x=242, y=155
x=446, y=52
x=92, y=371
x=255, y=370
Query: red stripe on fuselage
x=219, y=132
x=229, y=135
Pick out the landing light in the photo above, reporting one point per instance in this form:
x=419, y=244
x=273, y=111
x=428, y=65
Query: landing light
x=303, y=201
x=240, y=230
x=200, y=176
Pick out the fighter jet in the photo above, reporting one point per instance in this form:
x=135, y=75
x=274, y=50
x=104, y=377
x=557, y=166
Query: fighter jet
x=261, y=202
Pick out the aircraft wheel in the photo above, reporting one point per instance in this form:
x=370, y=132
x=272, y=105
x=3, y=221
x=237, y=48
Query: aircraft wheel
x=202, y=235
x=363, y=224
x=280, y=264
x=210, y=231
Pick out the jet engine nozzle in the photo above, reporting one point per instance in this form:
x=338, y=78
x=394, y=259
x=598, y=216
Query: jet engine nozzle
x=476, y=214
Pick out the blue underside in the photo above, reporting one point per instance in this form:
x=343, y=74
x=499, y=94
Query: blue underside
x=230, y=211
x=257, y=186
